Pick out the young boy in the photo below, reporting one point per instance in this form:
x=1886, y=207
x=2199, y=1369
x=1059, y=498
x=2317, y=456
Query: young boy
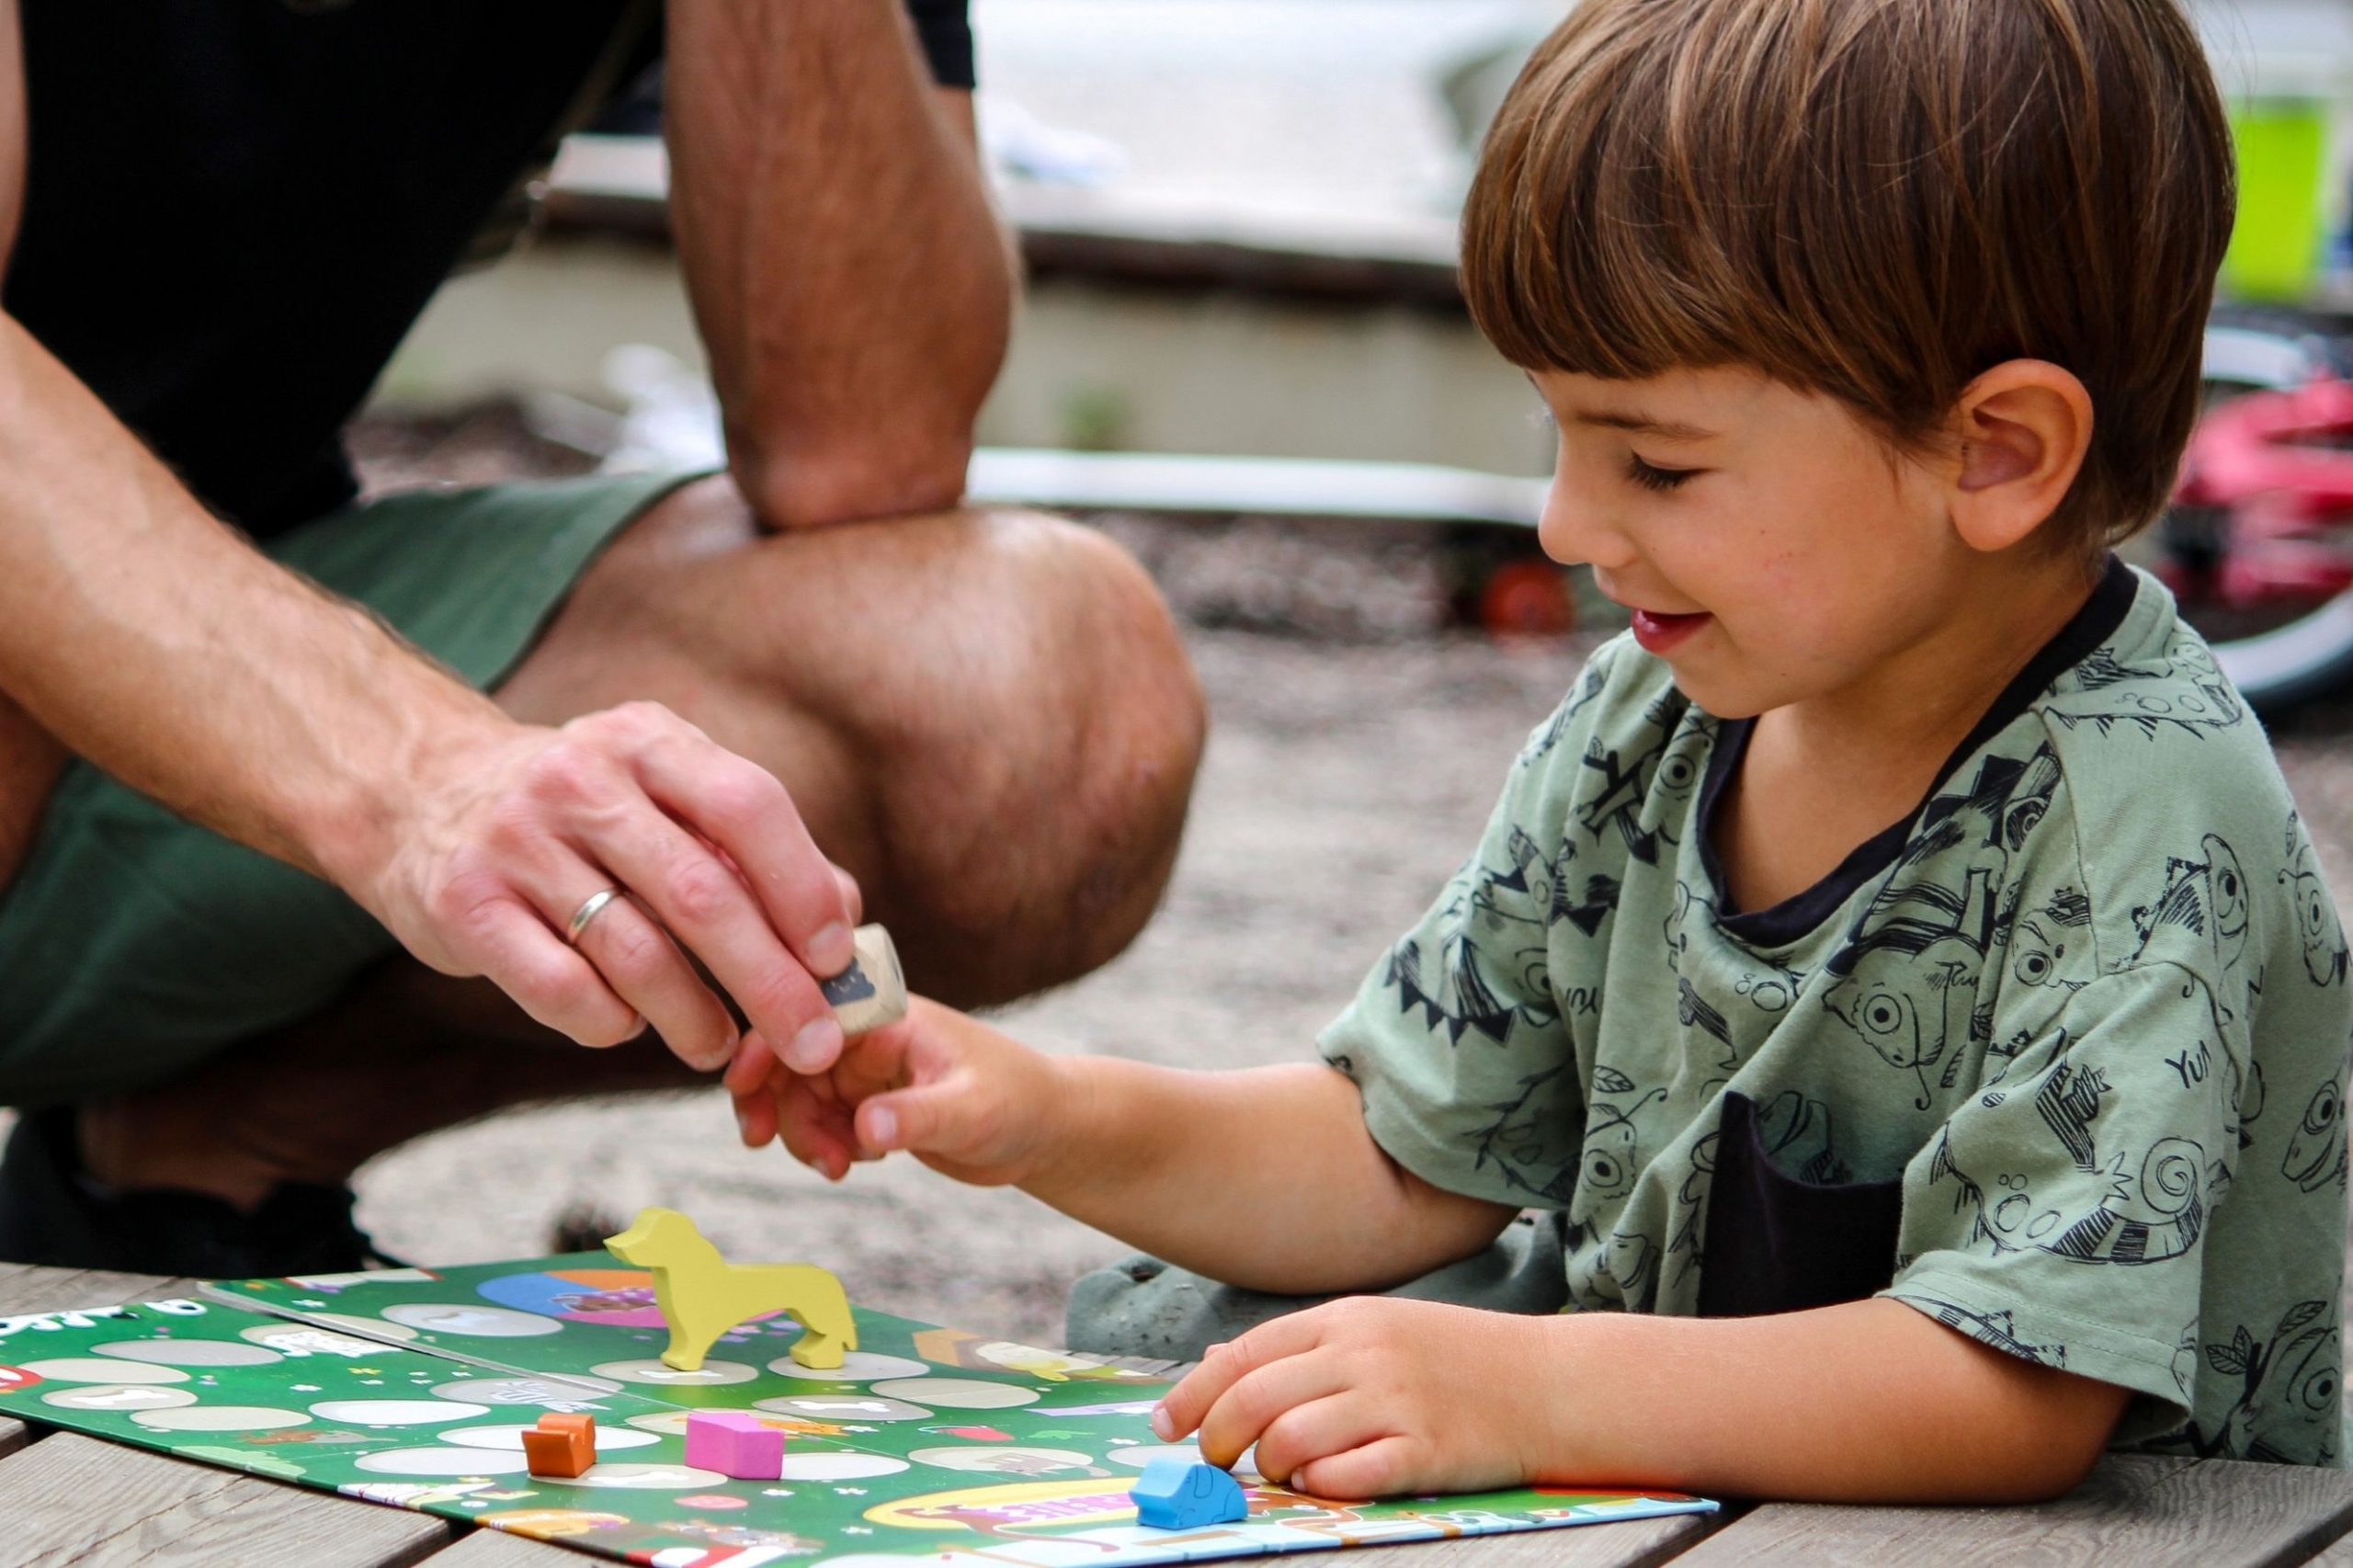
x=1899, y=960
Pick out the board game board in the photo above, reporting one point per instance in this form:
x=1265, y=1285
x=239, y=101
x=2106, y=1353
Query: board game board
x=413, y=1387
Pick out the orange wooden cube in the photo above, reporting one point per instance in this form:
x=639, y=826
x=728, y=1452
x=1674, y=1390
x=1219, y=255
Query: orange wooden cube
x=561, y=1446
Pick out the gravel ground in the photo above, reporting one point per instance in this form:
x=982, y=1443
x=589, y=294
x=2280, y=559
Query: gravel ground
x=1355, y=747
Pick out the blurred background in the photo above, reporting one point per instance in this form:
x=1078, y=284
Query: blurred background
x=1244, y=354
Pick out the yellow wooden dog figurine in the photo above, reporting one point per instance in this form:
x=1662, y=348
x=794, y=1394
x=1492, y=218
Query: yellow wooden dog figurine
x=703, y=1295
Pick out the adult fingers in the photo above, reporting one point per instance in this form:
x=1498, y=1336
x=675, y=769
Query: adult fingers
x=555, y=985
x=752, y=1080
x=706, y=906
x=642, y=966
x=742, y=808
x=1182, y=1407
x=1250, y=1408
x=1381, y=1467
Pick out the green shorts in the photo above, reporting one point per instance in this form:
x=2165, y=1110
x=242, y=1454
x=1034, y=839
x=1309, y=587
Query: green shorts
x=133, y=944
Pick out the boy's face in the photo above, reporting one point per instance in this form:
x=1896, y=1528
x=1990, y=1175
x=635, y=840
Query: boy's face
x=1772, y=549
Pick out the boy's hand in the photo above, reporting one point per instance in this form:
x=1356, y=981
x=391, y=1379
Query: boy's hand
x=1371, y=1396
x=966, y=1100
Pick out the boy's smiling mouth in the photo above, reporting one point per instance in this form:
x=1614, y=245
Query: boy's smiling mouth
x=1658, y=631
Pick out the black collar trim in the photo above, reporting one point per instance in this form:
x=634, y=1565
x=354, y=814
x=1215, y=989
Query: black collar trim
x=1789, y=920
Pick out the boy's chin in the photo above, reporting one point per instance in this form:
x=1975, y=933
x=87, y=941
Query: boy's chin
x=1719, y=698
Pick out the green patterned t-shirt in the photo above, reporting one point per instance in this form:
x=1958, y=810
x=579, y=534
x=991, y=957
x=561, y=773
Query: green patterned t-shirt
x=2059, y=1060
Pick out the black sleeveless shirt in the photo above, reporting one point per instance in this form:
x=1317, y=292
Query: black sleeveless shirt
x=234, y=209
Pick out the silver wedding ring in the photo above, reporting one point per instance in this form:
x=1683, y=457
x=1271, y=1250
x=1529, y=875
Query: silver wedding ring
x=590, y=907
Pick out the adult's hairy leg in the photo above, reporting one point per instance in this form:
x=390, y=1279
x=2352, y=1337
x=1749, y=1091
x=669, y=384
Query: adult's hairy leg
x=985, y=717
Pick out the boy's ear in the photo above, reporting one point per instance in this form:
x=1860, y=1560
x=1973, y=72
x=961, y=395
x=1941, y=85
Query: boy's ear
x=2024, y=426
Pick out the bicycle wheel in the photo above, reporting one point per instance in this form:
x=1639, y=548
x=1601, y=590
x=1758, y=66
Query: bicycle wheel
x=2275, y=601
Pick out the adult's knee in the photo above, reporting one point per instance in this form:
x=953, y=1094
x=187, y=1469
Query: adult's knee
x=1031, y=818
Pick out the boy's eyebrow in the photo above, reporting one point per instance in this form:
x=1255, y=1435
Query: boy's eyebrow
x=1641, y=424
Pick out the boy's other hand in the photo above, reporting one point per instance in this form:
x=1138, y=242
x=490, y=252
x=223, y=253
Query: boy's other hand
x=1370, y=1397
x=966, y=1100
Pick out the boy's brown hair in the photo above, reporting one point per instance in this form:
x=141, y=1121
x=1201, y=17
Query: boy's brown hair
x=1875, y=199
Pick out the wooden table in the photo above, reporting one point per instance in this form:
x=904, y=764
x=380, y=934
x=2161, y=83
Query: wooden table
x=67, y=1498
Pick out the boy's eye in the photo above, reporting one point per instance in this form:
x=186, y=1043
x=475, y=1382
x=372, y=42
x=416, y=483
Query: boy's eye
x=1650, y=477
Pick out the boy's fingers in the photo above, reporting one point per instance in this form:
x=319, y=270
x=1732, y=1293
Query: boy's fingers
x=811, y=1131
x=756, y=1119
x=1312, y=1429
x=755, y=1060
x=1257, y=1404
x=1379, y=1469
x=1184, y=1406
x=874, y=1061
x=923, y=1117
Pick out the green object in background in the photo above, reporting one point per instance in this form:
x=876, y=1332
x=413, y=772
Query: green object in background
x=2277, y=246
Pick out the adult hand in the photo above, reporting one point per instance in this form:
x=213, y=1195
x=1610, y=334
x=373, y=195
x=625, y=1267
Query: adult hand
x=512, y=829
x=1370, y=1397
x=965, y=1100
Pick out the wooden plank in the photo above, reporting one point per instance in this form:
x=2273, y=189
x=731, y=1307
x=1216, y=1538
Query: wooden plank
x=79, y=1500
x=2338, y=1553
x=497, y=1549
x=1635, y=1543
x=2152, y=1512
x=26, y=1289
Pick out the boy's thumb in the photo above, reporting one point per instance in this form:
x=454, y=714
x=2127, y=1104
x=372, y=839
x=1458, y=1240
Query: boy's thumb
x=902, y=1119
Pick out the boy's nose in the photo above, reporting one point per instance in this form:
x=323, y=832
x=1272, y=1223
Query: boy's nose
x=1577, y=533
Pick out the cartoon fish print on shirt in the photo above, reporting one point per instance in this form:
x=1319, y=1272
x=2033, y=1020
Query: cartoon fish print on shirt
x=1609, y=1162
x=2316, y=1154
x=2294, y=1374
x=2181, y=691
x=1796, y=1133
x=1907, y=979
x=2042, y=941
x=1625, y=788
x=1459, y=998
x=2069, y=1103
x=2157, y=1215
x=2323, y=938
x=1627, y=1260
x=1537, y=881
x=2205, y=899
x=1693, y=1011
x=1909, y=988
x=1530, y=1141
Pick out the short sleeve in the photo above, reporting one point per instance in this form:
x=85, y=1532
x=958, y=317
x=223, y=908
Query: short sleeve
x=944, y=27
x=1455, y=1038
x=2059, y=1215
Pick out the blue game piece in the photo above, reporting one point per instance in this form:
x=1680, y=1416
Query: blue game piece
x=1182, y=1494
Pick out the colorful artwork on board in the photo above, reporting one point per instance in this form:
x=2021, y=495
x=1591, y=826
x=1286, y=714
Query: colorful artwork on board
x=414, y=1386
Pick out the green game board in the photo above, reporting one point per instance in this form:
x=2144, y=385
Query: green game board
x=412, y=1387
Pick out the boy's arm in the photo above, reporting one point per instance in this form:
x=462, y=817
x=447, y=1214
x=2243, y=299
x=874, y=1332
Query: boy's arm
x=1265, y=1178
x=1867, y=1401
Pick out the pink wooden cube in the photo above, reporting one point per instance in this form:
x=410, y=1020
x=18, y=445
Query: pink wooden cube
x=735, y=1444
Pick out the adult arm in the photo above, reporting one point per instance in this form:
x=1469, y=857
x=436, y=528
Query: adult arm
x=853, y=287
x=139, y=631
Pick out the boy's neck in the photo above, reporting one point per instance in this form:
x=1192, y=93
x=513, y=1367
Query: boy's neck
x=1820, y=777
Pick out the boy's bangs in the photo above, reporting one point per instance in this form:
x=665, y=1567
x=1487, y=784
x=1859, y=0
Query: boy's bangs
x=1571, y=258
